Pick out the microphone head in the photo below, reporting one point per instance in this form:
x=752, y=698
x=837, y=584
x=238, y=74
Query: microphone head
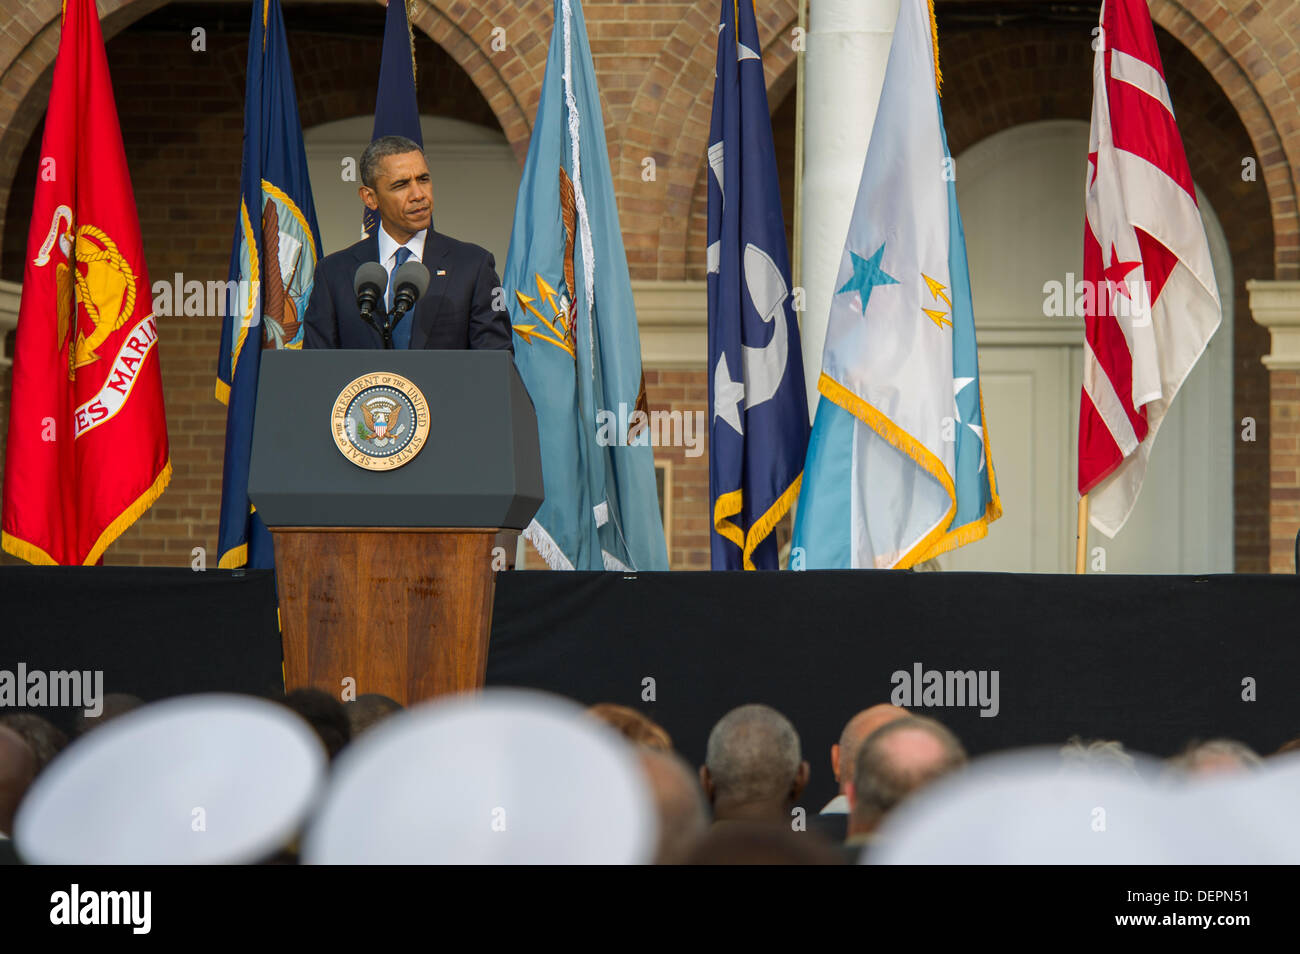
x=413, y=274
x=371, y=274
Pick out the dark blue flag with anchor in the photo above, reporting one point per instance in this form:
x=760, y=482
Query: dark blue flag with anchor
x=758, y=408
x=272, y=270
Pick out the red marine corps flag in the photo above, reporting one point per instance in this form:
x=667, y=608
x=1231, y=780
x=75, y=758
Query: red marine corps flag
x=1150, y=296
x=87, y=442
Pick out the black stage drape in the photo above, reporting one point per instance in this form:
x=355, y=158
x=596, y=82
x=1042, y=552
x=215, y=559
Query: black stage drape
x=1151, y=660
x=154, y=632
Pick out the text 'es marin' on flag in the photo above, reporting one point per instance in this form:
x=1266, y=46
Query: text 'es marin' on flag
x=87, y=450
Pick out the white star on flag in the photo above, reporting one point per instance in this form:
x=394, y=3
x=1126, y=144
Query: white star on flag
x=727, y=395
x=959, y=385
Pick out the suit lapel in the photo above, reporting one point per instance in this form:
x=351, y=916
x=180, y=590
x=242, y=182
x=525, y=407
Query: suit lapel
x=436, y=248
x=367, y=250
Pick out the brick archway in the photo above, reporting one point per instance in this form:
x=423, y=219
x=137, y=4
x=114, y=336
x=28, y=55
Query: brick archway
x=695, y=226
x=1251, y=77
x=669, y=120
x=510, y=81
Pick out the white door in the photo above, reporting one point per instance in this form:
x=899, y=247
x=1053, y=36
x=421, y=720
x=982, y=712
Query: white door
x=1021, y=196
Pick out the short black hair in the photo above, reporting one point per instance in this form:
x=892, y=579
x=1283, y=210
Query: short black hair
x=324, y=714
x=43, y=737
x=382, y=148
x=367, y=709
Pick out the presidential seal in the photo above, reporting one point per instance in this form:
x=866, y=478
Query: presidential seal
x=380, y=421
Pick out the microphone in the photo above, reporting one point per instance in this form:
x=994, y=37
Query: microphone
x=370, y=282
x=409, y=281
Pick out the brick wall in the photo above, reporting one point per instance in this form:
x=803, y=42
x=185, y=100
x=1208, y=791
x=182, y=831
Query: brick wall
x=182, y=121
x=1285, y=465
x=1234, y=71
x=996, y=78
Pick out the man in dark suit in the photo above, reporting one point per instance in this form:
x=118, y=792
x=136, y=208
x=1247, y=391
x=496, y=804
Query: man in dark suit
x=457, y=310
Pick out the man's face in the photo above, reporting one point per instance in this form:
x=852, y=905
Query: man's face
x=403, y=194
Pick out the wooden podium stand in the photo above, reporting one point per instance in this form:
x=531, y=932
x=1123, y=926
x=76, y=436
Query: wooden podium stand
x=386, y=577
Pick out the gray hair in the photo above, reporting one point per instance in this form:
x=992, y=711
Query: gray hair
x=1096, y=755
x=884, y=775
x=753, y=754
x=382, y=148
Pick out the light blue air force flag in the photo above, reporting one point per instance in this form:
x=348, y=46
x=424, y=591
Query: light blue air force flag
x=570, y=299
x=898, y=468
x=757, y=402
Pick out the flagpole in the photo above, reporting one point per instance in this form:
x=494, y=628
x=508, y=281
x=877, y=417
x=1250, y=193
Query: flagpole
x=796, y=247
x=796, y=251
x=1081, y=537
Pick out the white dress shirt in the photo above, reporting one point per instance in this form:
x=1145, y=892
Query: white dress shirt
x=388, y=255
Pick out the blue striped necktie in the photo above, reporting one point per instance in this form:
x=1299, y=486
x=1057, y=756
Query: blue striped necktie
x=401, y=333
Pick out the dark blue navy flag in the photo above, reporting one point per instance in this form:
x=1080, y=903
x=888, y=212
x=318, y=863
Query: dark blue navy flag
x=758, y=409
x=396, y=112
x=272, y=270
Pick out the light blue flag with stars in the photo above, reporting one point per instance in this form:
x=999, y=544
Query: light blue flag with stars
x=898, y=467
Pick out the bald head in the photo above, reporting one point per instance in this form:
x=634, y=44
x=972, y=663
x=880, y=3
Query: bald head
x=895, y=761
x=754, y=766
x=1217, y=757
x=844, y=754
x=17, y=769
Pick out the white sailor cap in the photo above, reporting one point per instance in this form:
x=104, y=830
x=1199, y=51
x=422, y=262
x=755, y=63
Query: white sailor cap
x=1025, y=807
x=197, y=779
x=499, y=777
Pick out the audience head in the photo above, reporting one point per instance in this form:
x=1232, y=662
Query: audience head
x=753, y=767
x=367, y=709
x=1285, y=747
x=633, y=725
x=750, y=843
x=679, y=803
x=17, y=769
x=895, y=761
x=114, y=704
x=1096, y=755
x=1216, y=757
x=844, y=753
x=324, y=714
x=44, y=738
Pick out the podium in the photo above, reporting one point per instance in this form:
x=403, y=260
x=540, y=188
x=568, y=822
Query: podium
x=384, y=478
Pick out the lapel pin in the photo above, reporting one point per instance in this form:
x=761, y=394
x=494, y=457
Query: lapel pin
x=442, y=271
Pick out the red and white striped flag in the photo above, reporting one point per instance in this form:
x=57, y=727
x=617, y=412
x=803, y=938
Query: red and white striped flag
x=1154, y=303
